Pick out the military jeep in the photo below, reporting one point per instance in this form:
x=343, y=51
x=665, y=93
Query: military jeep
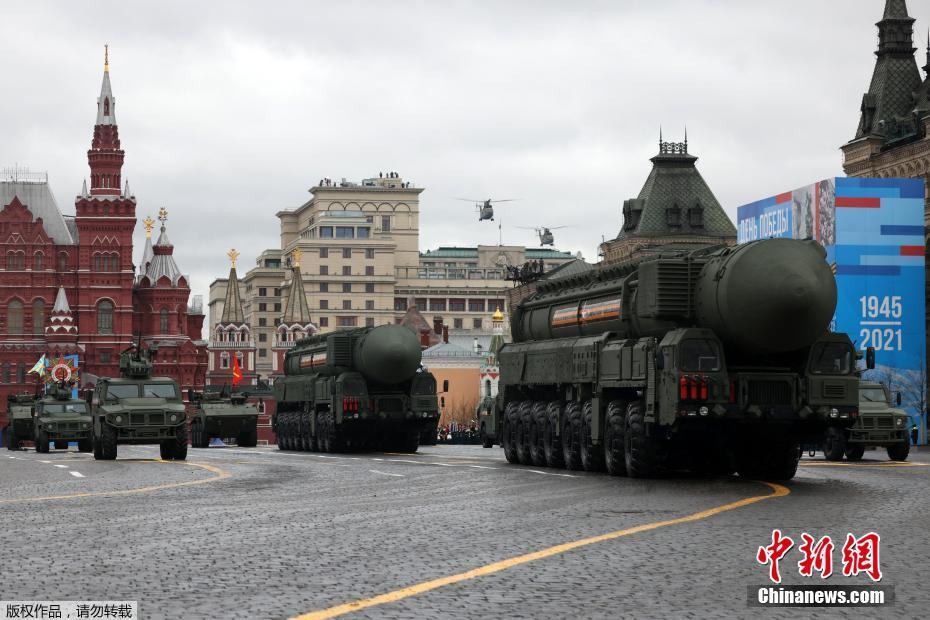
x=19, y=428
x=879, y=424
x=59, y=419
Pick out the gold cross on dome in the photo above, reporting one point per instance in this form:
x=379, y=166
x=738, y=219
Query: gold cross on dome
x=233, y=255
x=295, y=257
x=149, y=223
x=163, y=214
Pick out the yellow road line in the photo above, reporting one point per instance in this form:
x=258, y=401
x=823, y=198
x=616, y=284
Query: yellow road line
x=220, y=475
x=390, y=597
x=895, y=464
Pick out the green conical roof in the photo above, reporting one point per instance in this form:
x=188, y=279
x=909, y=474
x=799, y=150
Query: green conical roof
x=674, y=200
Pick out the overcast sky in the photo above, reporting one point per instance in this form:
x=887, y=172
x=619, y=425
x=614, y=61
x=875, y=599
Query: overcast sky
x=229, y=112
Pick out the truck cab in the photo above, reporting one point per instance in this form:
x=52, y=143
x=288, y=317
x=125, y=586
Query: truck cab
x=19, y=426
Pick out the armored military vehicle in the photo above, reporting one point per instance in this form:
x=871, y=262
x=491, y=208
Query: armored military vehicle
x=137, y=408
x=717, y=359
x=223, y=414
x=352, y=389
x=59, y=419
x=878, y=424
x=19, y=414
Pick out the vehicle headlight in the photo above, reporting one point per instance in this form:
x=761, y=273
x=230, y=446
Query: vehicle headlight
x=900, y=422
x=85, y=425
x=703, y=410
x=118, y=419
x=173, y=418
x=834, y=412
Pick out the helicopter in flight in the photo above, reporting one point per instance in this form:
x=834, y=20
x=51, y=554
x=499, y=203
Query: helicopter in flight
x=484, y=207
x=544, y=233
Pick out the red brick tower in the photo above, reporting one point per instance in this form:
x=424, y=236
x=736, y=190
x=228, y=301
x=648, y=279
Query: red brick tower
x=105, y=218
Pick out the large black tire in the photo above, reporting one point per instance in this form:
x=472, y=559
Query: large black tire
x=509, y=432
x=11, y=442
x=777, y=460
x=61, y=445
x=335, y=442
x=248, y=438
x=537, y=434
x=305, y=437
x=523, y=432
x=899, y=451
x=551, y=439
x=571, y=436
x=641, y=452
x=854, y=451
x=201, y=438
x=108, y=447
x=166, y=449
x=180, y=443
x=614, y=451
x=834, y=444
x=486, y=440
x=98, y=447
x=321, y=438
x=277, y=427
x=409, y=441
x=592, y=457
x=41, y=442
x=85, y=445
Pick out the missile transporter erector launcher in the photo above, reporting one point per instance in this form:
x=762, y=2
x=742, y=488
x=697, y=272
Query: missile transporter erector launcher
x=360, y=388
x=716, y=360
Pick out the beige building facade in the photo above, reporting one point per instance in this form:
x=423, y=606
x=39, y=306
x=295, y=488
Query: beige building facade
x=361, y=266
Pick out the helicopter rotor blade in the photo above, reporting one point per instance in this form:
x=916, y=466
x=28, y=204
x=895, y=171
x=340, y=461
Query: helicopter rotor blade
x=503, y=200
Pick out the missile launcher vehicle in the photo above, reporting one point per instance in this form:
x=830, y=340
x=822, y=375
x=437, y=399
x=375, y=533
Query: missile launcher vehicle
x=715, y=360
x=354, y=389
x=879, y=424
x=137, y=408
x=19, y=426
x=60, y=419
x=223, y=414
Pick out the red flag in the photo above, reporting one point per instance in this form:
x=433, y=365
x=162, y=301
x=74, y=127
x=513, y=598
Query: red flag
x=237, y=371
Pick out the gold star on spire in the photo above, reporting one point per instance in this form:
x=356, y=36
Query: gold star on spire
x=163, y=214
x=233, y=255
x=106, y=57
x=149, y=223
x=295, y=257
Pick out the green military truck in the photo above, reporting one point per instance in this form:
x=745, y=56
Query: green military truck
x=59, y=419
x=19, y=420
x=714, y=360
x=223, y=414
x=137, y=408
x=879, y=424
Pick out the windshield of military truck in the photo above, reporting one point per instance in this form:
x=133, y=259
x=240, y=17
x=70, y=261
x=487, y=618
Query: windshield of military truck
x=64, y=408
x=872, y=395
x=831, y=358
x=149, y=390
x=424, y=385
x=699, y=355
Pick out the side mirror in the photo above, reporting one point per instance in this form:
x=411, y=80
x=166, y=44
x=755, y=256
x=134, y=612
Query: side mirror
x=445, y=385
x=870, y=358
x=660, y=360
x=897, y=398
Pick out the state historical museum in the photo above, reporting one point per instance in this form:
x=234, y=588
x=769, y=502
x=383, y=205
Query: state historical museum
x=68, y=285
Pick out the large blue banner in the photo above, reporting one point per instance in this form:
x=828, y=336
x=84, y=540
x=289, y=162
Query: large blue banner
x=873, y=230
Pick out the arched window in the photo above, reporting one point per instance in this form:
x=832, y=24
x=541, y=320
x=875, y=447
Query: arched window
x=38, y=317
x=239, y=357
x=487, y=387
x=105, y=317
x=62, y=261
x=14, y=321
x=224, y=360
x=15, y=261
x=37, y=261
x=114, y=262
x=163, y=321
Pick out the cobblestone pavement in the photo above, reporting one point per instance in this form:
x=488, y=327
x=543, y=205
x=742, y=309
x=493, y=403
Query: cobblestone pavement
x=258, y=533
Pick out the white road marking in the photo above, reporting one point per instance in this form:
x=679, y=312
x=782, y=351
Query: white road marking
x=384, y=473
x=45, y=461
x=62, y=466
x=76, y=474
x=548, y=473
